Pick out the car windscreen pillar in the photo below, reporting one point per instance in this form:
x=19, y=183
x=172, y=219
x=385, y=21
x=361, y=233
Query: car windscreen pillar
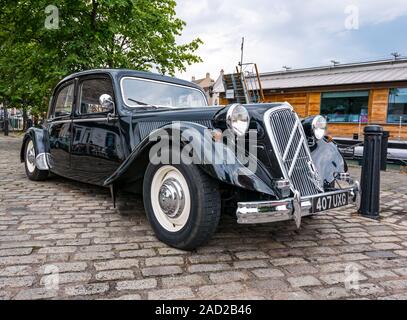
x=371, y=165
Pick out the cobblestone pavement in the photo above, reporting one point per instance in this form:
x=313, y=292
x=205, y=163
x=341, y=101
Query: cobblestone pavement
x=105, y=253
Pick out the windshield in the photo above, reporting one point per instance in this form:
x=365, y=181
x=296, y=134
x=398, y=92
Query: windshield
x=139, y=92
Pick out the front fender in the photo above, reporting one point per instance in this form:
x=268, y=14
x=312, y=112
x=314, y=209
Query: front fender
x=328, y=160
x=40, y=138
x=198, y=140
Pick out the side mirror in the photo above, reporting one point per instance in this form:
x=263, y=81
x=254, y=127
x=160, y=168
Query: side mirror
x=107, y=103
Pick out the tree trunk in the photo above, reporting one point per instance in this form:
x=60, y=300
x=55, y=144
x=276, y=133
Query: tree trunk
x=25, y=118
x=6, y=121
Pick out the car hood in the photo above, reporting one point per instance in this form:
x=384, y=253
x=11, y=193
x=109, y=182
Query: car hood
x=216, y=113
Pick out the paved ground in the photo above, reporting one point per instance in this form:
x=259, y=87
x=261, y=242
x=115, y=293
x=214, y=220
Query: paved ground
x=68, y=230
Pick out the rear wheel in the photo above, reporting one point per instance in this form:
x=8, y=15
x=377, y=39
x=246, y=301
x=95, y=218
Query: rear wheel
x=33, y=173
x=182, y=204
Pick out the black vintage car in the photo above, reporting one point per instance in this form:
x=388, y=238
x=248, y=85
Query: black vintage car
x=133, y=131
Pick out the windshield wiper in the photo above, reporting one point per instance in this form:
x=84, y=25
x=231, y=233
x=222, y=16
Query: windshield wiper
x=138, y=102
x=143, y=103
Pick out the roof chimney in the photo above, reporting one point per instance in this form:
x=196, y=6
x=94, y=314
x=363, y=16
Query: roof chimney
x=208, y=75
x=193, y=78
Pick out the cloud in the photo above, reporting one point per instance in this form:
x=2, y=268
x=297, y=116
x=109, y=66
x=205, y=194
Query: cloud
x=284, y=32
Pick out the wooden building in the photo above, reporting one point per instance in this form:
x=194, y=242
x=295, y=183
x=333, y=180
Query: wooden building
x=350, y=96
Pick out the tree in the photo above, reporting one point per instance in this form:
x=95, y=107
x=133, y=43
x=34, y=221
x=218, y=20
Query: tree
x=40, y=44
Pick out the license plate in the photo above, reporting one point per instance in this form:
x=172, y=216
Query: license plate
x=333, y=201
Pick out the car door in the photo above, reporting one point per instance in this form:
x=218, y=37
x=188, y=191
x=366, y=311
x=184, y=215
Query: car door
x=60, y=128
x=96, y=145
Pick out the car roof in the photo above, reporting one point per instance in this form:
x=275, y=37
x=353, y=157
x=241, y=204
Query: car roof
x=119, y=73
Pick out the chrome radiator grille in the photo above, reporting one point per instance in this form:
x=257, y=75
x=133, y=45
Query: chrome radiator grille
x=291, y=147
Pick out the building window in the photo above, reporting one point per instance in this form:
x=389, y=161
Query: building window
x=397, y=110
x=349, y=106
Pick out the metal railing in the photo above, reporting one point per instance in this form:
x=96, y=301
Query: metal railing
x=252, y=83
x=14, y=123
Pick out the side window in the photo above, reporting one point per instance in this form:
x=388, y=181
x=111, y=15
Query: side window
x=90, y=92
x=64, y=101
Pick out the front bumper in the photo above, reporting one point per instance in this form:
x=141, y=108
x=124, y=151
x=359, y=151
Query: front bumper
x=287, y=209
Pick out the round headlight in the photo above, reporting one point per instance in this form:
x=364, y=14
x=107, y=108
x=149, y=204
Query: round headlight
x=319, y=127
x=238, y=119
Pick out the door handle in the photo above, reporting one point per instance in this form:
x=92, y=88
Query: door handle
x=111, y=117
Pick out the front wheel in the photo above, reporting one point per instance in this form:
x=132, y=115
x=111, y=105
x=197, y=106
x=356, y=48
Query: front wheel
x=182, y=204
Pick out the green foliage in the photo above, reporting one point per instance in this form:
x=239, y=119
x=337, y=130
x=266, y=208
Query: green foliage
x=135, y=34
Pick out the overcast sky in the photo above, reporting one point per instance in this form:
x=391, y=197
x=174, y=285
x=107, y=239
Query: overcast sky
x=294, y=33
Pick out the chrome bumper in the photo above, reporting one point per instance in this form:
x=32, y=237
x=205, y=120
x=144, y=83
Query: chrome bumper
x=287, y=209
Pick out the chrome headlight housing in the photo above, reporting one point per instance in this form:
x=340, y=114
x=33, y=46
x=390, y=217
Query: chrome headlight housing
x=238, y=119
x=319, y=126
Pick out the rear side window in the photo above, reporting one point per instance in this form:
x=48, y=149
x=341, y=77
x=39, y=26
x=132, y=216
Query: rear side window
x=90, y=92
x=64, y=101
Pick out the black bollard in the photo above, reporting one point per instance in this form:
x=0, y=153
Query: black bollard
x=371, y=165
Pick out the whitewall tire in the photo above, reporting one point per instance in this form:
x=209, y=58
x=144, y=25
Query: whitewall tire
x=182, y=204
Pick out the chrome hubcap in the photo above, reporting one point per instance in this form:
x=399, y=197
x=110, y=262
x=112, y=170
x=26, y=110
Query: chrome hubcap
x=171, y=198
x=31, y=156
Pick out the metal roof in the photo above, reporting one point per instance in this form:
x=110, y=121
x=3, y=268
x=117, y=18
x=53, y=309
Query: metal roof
x=369, y=72
x=345, y=74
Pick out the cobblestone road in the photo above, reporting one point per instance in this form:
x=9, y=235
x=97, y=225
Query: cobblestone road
x=105, y=253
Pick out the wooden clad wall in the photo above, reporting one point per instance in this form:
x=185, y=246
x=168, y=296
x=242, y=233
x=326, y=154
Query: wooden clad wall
x=378, y=103
x=309, y=104
x=305, y=104
x=223, y=101
x=314, y=103
x=298, y=100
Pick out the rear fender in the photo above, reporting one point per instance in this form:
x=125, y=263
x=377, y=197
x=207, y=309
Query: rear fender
x=39, y=136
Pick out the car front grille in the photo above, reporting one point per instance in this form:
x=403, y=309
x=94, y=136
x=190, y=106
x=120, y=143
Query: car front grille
x=291, y=147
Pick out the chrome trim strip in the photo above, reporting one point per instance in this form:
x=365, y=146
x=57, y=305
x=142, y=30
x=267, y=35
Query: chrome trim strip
x=80, y=120
x=90, y=120
x=297, y=153
x=290, y=141
x=156, y=81
x=58, y=121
